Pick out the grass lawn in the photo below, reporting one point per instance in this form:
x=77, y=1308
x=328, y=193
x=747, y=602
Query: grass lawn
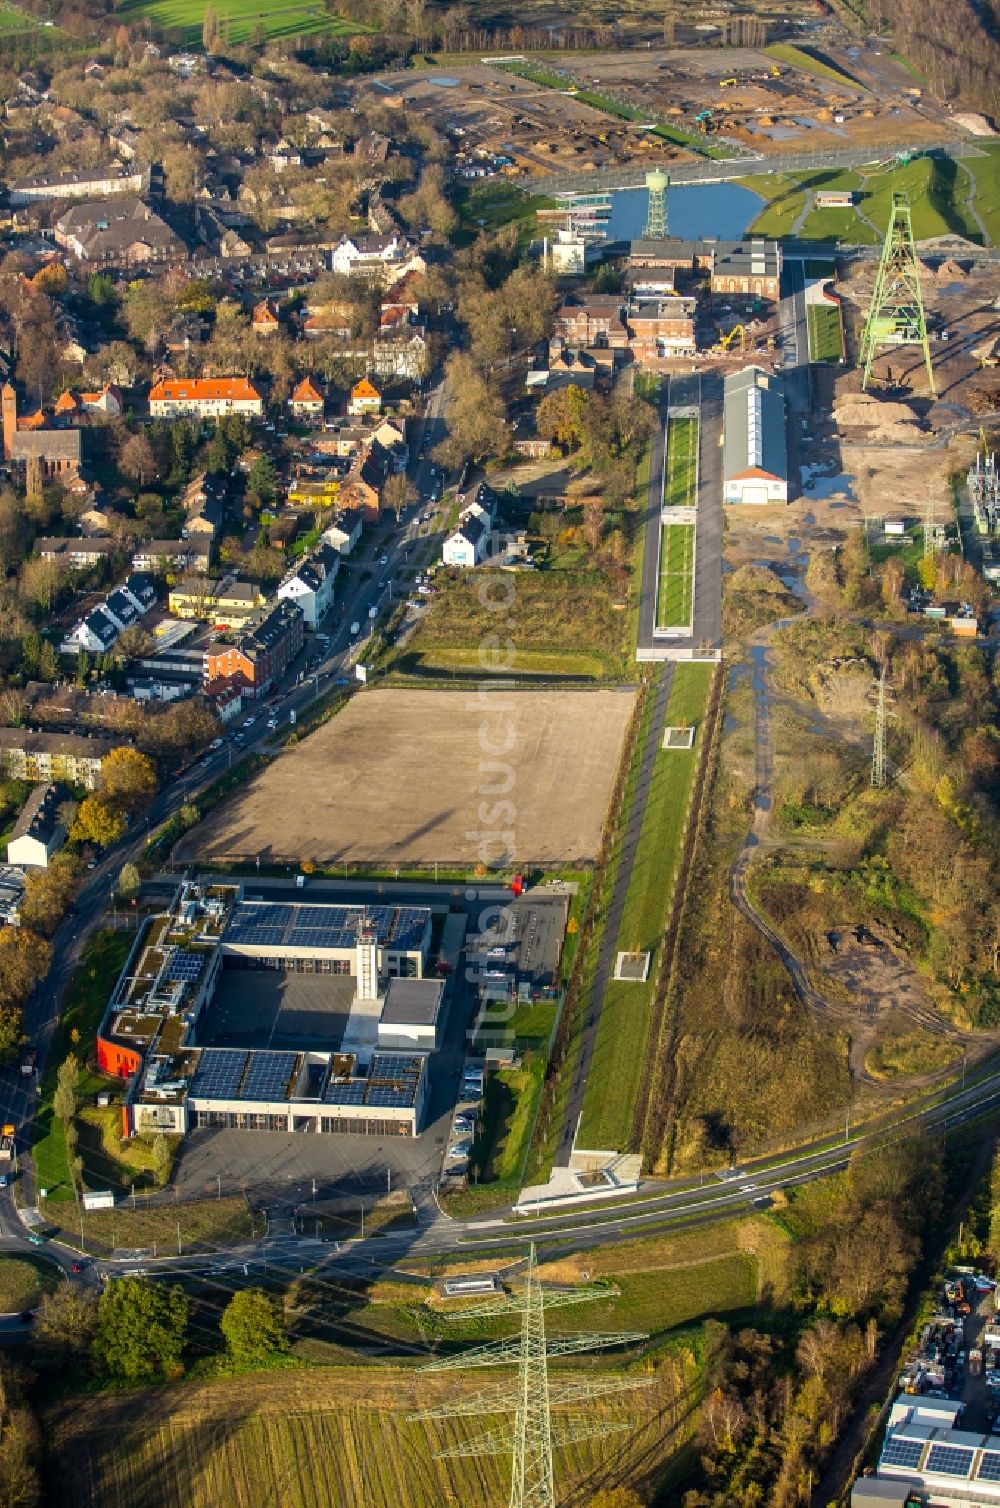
x=496, y=202
x=501, y=1144
x=565, y=622
x=204, y=1223
x=23, y=1280
x=14, y=22
x=86, y=998
x=674, y=599
x=681, y=480
x=786, y=198
x=936, y=189
x=837, y=225
x=798, y=57
x=825, y=340
x=986, y=171
x=623, y=1027
x=304, y=18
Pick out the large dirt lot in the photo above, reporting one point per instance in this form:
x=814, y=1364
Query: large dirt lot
x=414, y=777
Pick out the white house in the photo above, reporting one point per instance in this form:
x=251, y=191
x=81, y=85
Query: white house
x=310, y=585
x=368, y=255
x=345, y=532
x=467, y=544
x=38, y=832
x=94, y=634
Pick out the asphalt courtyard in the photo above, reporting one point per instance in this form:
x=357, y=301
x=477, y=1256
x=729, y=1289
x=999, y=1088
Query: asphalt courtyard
x=269, y=1008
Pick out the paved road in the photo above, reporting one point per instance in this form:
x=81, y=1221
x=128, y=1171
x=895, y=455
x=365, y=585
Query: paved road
x=709, y=525
x=594, y=1003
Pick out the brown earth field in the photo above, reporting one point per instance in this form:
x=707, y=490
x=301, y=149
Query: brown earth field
x=418, y=777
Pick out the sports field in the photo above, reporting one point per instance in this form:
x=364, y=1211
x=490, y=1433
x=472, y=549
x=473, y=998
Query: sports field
x=416, y=777
x=681, y=479
x=243, y=17
x=674, y=598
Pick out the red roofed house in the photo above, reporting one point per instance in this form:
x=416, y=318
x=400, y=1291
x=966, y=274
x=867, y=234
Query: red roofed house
x=307, y=401
x=204, y=397
x=265, y=318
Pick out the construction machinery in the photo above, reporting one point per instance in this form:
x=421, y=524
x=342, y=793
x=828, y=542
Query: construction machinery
x=727, y=83
x=896, y=314
x=738, y=332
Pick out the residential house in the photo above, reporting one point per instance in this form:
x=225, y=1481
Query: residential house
x=98, y=632
x=345, y=531
x=72, y=407
x=468, y=542
x=365, y=482
x=76, y=183
x=206, y=517
x=205, y=397
x=163, y=556
x=78, y=553
x=661, y=328
x=43, y=758
x=307, y=401
x=368, y=256
x=310, y=583
x=39, y=831
x=365, y=398
x=123, y=231
x=593, y=319
x=228, y=603
x=257, y=655
x=264, y=320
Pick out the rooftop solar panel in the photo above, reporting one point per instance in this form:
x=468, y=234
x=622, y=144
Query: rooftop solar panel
x=949, y=1460
x=219, y=1073
x=184, y=966
x=267, y=1075
x=901, y=1452
x=989, y=1467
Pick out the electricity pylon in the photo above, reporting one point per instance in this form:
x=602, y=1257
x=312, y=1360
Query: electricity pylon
x=896, y=313
x=656, y=212
x=930, y=526
x=878, y=749
x=532, y=1395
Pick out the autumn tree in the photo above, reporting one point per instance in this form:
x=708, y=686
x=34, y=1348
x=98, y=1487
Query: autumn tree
x=129, y=881
x=47, y=894
x=399, y=493
x=97, y=821
x=475, y=412
x=128, y=778
x=137, y=459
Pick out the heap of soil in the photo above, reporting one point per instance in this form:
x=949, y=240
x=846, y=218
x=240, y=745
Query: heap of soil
x=888, y=422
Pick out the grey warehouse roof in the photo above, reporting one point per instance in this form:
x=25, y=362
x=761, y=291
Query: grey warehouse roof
x=754, y=441
x=412, y=1002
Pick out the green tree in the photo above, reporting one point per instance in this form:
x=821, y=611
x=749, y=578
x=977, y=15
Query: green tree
x=67, y=1089
x=262, y=479
x=129, y=882
x=141, y=1330
x=254, y=1327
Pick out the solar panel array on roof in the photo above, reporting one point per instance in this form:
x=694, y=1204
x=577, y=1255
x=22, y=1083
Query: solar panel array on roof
x=184, y=966
x=260, y=924
x=898, y=1452
x=219, y=1073
x=949, y=1460
x=268, y=1075
x=391, y=1084
x=350, y=1093
x=989, y=1467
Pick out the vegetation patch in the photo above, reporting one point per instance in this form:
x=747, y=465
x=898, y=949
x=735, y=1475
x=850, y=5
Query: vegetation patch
x=675, y=596
x=23, y=1280
x=203, y=1224
x=826, y=342
x=808, y=62
x=624, y=1023
x=240, y=21
x=681, y=479
x=901, y=1054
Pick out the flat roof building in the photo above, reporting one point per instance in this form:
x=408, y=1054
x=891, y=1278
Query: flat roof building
x=754, y=457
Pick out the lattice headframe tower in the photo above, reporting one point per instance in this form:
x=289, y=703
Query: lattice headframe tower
x=896, y=314
x=532, y=1395
x=657, y=183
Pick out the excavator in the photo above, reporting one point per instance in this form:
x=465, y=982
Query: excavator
x=737, y=332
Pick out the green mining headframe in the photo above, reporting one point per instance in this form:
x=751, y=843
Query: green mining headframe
x=896, y=312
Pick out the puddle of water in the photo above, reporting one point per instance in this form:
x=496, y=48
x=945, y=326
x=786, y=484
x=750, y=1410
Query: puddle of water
x=819, y=484
x=809, y=519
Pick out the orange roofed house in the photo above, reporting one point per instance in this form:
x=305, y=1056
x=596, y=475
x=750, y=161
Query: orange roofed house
x=265, y=318
x=204, y=397
x=307, y=401
x=365, y=398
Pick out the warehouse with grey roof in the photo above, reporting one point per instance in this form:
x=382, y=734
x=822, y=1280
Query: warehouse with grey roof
x=755, y=451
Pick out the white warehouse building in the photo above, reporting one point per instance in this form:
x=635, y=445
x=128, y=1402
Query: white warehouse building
x=755, y=453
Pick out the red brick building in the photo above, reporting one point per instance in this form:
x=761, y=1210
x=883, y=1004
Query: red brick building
x=258, y=655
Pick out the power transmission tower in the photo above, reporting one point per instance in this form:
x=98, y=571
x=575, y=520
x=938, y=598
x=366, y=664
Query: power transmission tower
x=656, y=212
x=930, y=526
x=896, y=313
x=878, y=751
x=531, y=1397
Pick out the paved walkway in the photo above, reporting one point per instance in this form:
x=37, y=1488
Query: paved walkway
x=604, y=971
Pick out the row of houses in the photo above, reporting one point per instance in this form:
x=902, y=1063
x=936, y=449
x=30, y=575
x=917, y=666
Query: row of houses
x=98, y=632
